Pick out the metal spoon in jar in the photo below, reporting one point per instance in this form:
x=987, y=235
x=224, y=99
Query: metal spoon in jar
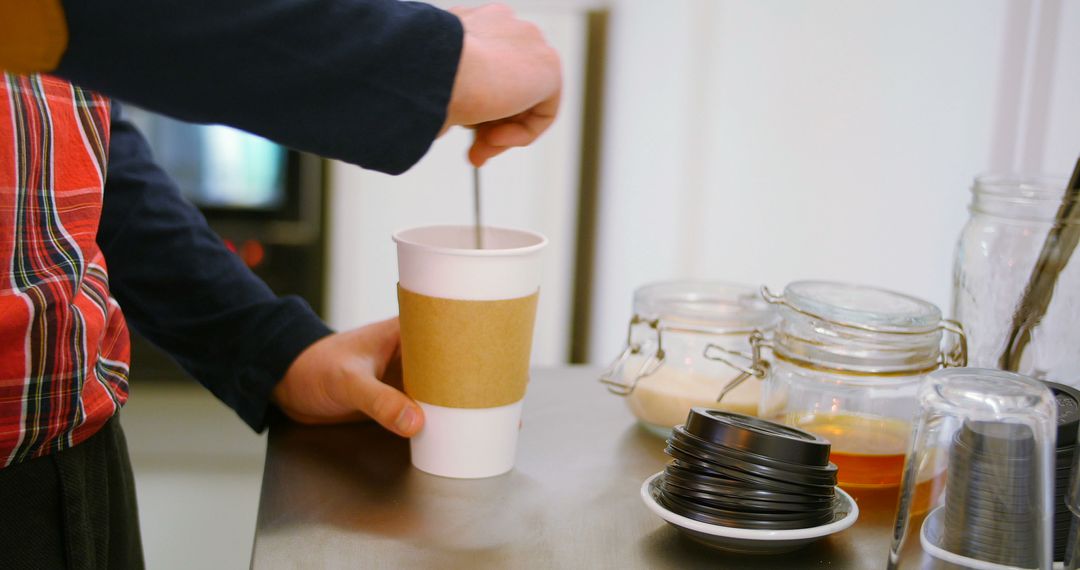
x=1056, y=251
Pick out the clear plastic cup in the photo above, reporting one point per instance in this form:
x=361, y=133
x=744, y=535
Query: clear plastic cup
x=977, y=489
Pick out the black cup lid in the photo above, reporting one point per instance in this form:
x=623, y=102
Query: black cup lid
x=747, y=507
x=1068, y=412
x=720, y=517
x=738, y=489
x=756, y=435
x=679, y=433
x=694, y=449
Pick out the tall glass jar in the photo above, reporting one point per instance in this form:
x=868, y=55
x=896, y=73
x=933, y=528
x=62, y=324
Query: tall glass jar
x=847, y=363
x=998, y=248
x=663, y=371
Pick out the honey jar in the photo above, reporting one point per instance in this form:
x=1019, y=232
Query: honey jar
x=846, y=364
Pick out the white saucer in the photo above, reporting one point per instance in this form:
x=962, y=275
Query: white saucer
x=751, y=541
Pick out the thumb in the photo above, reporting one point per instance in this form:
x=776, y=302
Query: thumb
x=385, y=404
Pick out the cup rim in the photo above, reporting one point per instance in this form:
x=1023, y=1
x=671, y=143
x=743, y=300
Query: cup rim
x=400, y=238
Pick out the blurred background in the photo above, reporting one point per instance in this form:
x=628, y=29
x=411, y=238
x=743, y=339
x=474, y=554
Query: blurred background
x=749, y=141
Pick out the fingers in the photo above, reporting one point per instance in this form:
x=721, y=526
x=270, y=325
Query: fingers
x=340, y=377
x=495, y=138
x=510, y=134
x=386, y=405
x=380, y=401
x=480, y=152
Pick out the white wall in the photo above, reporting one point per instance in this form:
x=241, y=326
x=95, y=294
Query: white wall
x=767, y=141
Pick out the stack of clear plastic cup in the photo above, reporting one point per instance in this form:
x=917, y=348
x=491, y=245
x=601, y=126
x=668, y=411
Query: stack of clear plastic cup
x=977, y=490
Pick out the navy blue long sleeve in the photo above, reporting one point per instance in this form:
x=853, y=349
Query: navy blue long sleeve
x=365, y=81
x=184, y=291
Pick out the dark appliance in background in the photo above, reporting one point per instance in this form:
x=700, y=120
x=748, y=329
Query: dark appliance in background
x=264, y=200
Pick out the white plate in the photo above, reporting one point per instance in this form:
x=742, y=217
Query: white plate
x=751, y=541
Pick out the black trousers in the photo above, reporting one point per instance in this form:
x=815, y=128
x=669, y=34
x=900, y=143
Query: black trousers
x=74, y=509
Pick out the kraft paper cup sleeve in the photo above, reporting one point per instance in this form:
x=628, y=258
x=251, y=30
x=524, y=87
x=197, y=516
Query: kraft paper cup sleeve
x=466, y=354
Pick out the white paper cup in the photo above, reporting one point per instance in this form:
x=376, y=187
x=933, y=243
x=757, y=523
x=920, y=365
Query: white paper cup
x=440, y=263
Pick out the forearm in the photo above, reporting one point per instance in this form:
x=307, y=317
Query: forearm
x=365, y=81
x=184, y=291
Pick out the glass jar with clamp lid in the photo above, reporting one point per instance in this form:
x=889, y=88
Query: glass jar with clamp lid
x=846, y=362
x=663, y=372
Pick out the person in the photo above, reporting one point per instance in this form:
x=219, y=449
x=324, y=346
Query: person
x=94, y=236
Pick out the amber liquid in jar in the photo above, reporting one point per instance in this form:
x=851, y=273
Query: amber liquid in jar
x=868, y=450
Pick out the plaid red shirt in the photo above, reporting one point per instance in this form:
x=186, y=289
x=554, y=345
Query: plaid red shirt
x=63, y=343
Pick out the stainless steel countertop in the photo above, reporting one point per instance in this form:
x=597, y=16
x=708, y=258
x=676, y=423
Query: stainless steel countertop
x=346, y=497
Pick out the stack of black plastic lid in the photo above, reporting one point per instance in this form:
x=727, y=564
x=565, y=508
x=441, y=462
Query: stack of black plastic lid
x=1068, y=414
x=991, y=503
x=743, y=472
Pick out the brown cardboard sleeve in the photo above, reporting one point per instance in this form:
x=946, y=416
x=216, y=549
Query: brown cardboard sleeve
x=465, y=354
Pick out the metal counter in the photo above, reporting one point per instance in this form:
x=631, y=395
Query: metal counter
x=346, y=497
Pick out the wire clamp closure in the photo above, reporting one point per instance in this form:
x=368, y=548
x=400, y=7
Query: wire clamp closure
x=613, y=377
x=757, y=366
x=957, y=356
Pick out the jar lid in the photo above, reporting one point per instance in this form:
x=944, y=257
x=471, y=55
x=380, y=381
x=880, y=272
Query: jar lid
x=863, y=306
x=714, y=306
x=857, y=329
